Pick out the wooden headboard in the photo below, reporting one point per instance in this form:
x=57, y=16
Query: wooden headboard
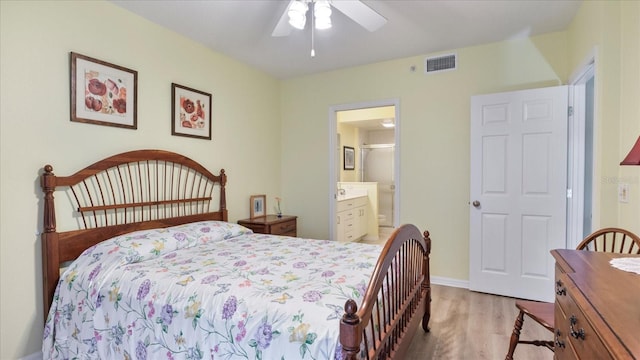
x=132, y=191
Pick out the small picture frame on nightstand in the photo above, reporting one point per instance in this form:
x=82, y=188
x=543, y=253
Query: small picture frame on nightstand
x=258, y=206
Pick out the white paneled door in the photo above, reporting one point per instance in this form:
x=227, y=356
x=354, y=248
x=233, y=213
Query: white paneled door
x=518, y=191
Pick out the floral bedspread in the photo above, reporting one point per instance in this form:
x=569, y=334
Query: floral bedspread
x=207, y=290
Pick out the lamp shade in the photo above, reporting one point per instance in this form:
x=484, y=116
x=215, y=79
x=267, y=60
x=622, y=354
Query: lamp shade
x=633, y=158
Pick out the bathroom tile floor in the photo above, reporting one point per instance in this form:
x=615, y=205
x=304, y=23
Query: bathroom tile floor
x=383, y=234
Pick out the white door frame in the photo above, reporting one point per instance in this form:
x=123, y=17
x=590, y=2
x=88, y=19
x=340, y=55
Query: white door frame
x=333, y=175
x=576, y=153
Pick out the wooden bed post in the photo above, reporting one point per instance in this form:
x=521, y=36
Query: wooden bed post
x=223, y=195
x=350, y=332
x=48, y=186
x=426, y=284
x=49, y=238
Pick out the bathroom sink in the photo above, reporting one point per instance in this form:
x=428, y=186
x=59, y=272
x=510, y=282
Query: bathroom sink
x=347, y=194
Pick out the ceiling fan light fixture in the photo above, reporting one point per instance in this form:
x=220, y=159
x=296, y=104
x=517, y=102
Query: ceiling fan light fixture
x=297, y=14
x=323, y=24
x=297, y=21
x=322, y=13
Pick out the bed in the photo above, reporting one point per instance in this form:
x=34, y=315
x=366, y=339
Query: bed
x=151, y=268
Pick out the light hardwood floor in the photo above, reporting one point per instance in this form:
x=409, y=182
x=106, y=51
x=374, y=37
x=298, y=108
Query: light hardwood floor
x=476, y=326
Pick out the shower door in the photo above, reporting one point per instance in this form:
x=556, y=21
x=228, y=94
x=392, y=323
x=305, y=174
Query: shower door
x=377, y=166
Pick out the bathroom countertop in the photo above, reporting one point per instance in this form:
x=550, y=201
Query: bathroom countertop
x=351, y=195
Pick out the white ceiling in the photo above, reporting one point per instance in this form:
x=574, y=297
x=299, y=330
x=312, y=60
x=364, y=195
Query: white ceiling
x=241, y=29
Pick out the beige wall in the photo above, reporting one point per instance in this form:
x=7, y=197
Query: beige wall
x=36, y=38
x=629, y=213
x=610, y=32
x=434, y=133
x=434, y=118
x=279, y=130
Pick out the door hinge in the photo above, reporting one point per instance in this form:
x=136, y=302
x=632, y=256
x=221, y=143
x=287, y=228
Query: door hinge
x=569, y=193
x=570, y=111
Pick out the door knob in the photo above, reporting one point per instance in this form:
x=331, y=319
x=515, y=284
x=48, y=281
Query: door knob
x=476, y=203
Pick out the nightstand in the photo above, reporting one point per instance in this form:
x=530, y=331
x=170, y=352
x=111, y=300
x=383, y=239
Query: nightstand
x=272, y=224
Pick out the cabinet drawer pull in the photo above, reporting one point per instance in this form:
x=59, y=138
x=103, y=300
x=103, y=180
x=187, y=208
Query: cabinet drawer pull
x=575, y=334
x=558, y=343
x=560, y=290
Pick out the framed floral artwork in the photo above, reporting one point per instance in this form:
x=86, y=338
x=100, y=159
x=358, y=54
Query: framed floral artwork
x=258, y=206
x=190, y=112
x=103, y=93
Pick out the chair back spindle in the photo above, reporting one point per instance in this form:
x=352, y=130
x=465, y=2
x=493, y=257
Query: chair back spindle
x=613, y=240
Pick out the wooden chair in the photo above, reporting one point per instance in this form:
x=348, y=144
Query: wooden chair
x=612, y=240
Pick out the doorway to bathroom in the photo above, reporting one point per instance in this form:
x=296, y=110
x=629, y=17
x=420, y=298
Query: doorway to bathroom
x=369, y=131
x=376, y=161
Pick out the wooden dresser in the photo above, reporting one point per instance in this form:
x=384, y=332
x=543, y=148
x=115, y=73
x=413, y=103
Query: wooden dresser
x=597, y=307
x=271, y=224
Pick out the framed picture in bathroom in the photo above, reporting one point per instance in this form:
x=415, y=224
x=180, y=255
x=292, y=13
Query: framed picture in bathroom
x=349, y=158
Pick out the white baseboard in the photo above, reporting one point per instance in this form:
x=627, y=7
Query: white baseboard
x=450, y=282
x=34, y=356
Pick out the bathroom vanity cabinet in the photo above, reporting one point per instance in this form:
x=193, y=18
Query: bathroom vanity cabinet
x=351, y=219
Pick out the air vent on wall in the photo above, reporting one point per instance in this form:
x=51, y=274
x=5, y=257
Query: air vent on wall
x=440, y=63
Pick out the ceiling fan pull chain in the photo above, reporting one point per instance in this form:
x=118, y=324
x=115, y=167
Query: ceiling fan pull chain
x=313, y=29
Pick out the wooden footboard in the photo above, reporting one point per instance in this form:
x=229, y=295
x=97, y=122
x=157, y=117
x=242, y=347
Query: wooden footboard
x=397, y=300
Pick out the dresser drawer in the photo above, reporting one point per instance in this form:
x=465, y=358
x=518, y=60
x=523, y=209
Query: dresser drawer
x=348, y=236
x=347, y=215
x=257, y=228
x=351, y=203
x=562, y=347
x=562, y=297
x=272, y=224
x=574, y=331
x=598, y=317
x=287, y=228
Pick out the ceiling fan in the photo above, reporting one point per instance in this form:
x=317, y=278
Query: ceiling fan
x=294, y=15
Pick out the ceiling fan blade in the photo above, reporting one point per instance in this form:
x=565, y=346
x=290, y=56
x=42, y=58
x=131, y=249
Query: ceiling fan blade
x=282, y=27
x=360, y=13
